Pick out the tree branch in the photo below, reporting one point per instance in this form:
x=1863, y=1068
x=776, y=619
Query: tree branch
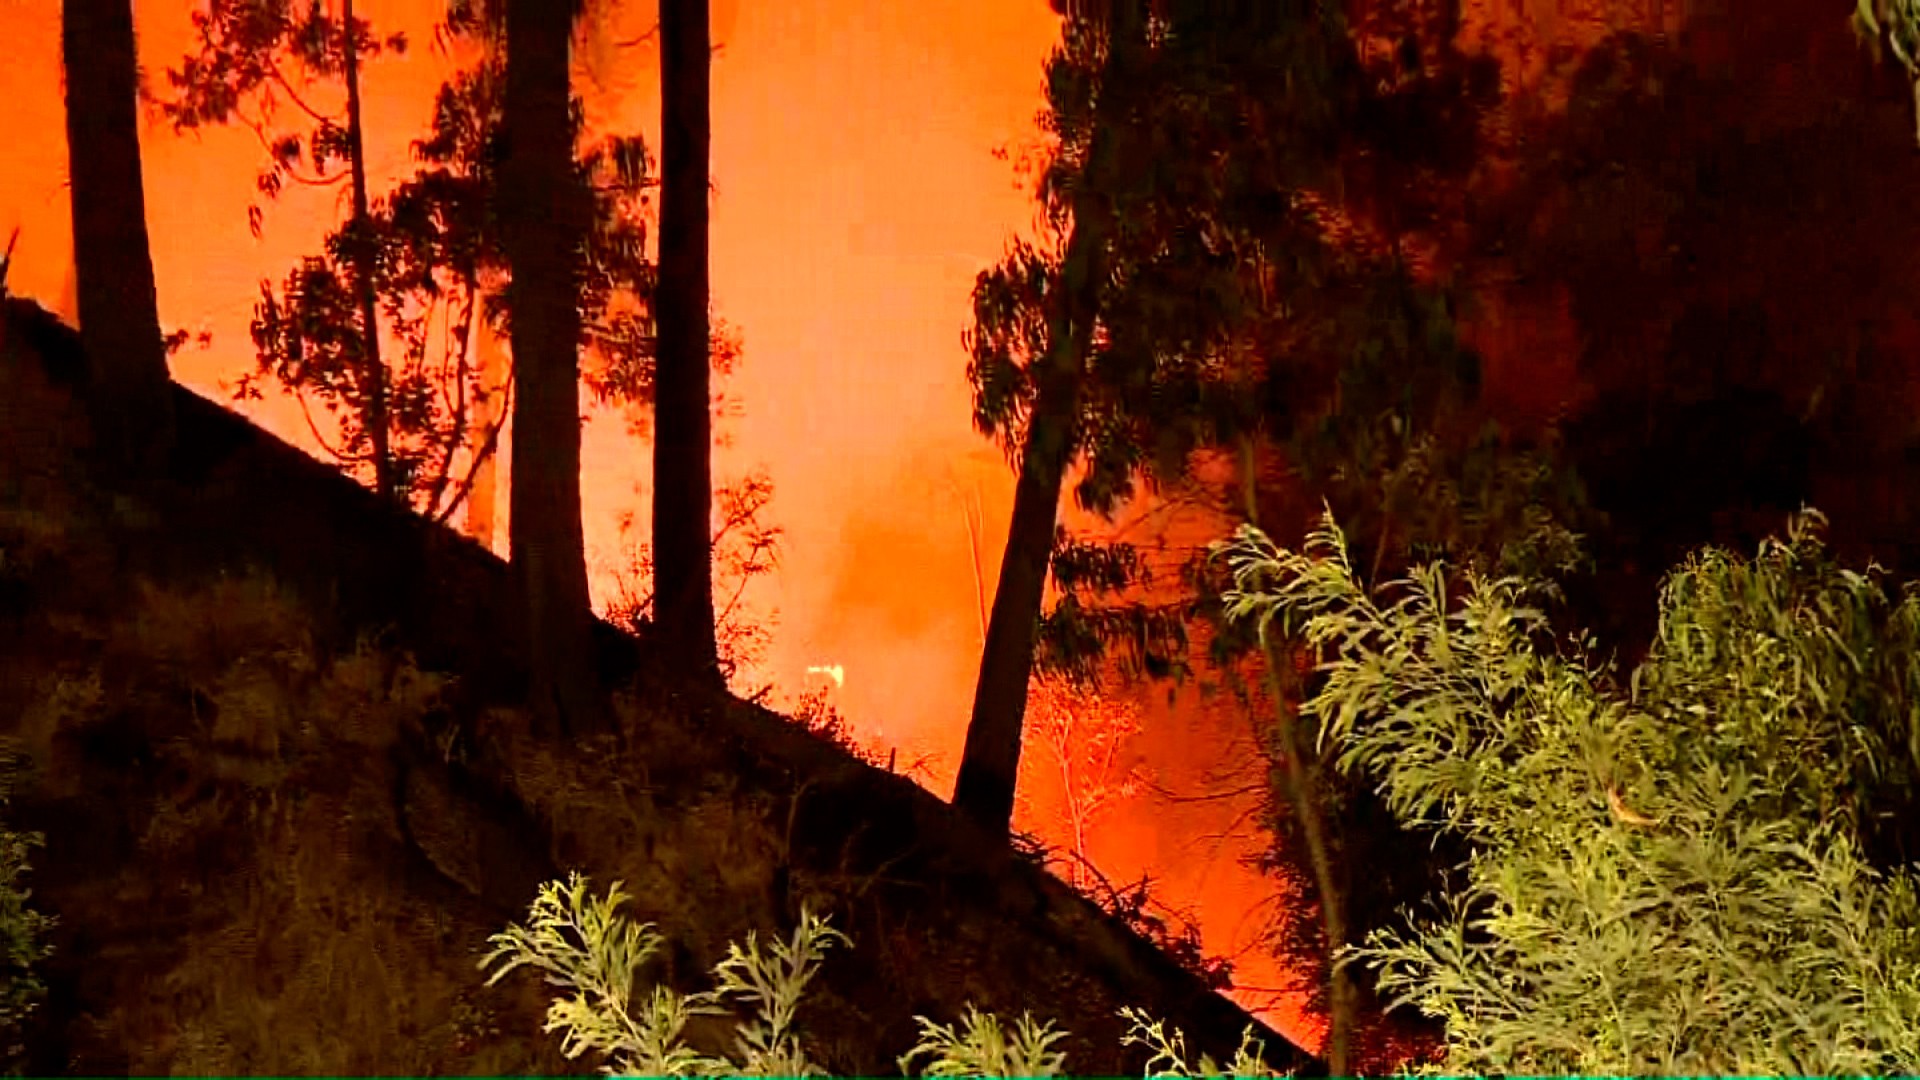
x=487, y=450
x=273, y=69
x=306, y=412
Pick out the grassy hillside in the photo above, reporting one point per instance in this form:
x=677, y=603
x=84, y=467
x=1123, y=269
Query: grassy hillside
x=272, y=736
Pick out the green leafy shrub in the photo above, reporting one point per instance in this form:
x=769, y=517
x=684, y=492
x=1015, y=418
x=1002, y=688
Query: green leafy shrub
x=1667, y=877
x=593, y=954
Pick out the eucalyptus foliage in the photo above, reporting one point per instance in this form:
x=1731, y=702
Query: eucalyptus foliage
x=1697, y=871
x=440, y=273
x=591, y=952
x=429, y=251
x=1170, y=1058
x=981, y=1046
x=1893, y=26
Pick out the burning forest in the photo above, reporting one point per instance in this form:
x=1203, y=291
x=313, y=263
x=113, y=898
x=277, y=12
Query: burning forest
x=1141, y=537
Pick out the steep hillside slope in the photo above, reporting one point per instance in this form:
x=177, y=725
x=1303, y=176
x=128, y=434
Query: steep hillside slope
x=273, y=743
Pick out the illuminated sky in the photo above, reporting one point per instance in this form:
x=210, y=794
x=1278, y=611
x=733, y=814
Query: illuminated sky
x=857, y=196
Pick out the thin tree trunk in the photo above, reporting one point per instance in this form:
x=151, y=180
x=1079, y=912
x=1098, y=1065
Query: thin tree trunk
x=990, y=763
x=129, y=393
x=974, y=516
x=1076, y=816
x=1303, y=791
x=69, y=308
x=486, y=415
x=543, y=214
x=1916, y=110
x=683, y=420
x=374, y=370
x=1300, y=770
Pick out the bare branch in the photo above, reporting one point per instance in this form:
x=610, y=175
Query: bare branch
x=273, y=69
x=487, y=450
x=641, y=40
x=306, y=412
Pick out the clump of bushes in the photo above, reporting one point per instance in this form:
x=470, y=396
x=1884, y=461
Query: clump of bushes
x=595, y=956
x=1702, y=869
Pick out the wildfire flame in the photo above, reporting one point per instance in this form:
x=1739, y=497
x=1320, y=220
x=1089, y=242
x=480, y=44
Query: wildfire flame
x=832, y=671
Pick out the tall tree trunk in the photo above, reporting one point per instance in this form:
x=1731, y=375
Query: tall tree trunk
x=375, y=370
x=683, y=419
x=543, y=215
x=990, y=762
x=130, y=393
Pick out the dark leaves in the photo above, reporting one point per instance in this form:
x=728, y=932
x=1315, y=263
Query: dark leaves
x=440, y=273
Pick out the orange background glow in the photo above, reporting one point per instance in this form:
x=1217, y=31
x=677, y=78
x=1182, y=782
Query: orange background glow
x=857, y=197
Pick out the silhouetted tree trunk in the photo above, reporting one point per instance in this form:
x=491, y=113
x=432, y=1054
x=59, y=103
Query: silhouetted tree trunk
x=991, y=761
x=364, y=287
x=543, y=217
x=683, y=424
x=130, y=395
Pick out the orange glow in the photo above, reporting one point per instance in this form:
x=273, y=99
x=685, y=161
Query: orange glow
x=857, y=197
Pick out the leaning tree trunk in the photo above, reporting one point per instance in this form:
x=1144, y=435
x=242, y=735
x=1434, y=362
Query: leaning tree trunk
x=991, y=760
x=129, y=392
x=543, y=215
x=683, y=420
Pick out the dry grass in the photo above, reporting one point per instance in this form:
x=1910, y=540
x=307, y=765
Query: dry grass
x=263, y=831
